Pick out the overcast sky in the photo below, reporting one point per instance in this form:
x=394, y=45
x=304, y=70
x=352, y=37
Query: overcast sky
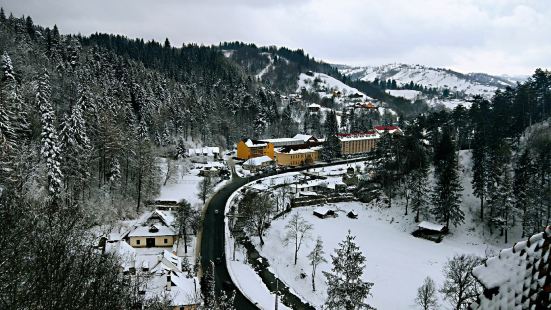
x=493, y=36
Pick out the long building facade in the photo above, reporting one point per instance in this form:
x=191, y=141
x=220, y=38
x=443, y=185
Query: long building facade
x=358, y=143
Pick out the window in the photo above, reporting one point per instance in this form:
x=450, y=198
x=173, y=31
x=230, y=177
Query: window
x=138, y=241
x=166, y=241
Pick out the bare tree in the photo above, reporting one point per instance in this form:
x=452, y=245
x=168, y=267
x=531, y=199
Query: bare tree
x=186, y=219
x=297, y=230
x=316, y=257
x=426, y=295
x=205, y=188
x=461, y=288
x=256, y=209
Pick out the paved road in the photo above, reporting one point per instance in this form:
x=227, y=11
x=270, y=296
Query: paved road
x=212, y=242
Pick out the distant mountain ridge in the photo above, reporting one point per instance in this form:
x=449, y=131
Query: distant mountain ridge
x=441, y=78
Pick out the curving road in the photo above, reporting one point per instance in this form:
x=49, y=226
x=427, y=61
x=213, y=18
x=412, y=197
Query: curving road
x=212, y=240
x=213, y=231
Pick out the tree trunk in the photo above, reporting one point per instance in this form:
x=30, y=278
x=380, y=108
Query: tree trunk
x=139, y=190
x=482, y=208
x=313, y=279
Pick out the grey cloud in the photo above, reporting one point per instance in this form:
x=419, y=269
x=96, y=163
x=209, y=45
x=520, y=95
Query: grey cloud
x=496, y=36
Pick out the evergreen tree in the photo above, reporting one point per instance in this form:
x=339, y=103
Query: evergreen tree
x=480, y=156
x=420, y=193
x=208, y=289
x=331, y=146
x=186, y=218
x=446, y=196
x=51, y=151
x=385, y=165
x=345, y=287
x=76, y=147
x=181, y=151
x=505, y=204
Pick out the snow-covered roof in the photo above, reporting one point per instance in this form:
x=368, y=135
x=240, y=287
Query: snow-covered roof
x=181, y=290
x=314, y=105
x=322, y=210
x=431, y=226
x=257, y=161
x=389, y=129
x=358, y=136
x=282, y=141
x=514, y=279
x=303, y=137
x=208, y=151
x=152, y=231
x=296, y=151
x=251, y=143
x=123, y=250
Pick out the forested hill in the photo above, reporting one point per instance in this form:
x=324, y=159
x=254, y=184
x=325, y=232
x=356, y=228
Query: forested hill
x=99, y=107
x=279, y=68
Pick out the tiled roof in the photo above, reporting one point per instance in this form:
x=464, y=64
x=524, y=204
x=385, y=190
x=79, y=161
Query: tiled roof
x=519, y=277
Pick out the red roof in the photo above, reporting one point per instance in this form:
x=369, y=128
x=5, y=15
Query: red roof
x=356, y=134
x=383, y=128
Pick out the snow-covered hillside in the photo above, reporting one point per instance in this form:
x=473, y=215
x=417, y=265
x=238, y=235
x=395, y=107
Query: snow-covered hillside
x=470, y=84
x=408, y=94
x=325, y=85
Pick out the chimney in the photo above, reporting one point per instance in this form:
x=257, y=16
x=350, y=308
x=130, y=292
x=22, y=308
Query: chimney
x=168, y=281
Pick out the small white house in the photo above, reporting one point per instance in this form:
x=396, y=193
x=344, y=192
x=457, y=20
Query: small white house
x=258, y=163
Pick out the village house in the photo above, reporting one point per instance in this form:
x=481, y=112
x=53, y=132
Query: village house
x=258, y=163
x=248, y=148
x=282, y=142
x=314, y=108
x=358, y=143
x=296, y=156
x=155, y=231
x=204, y=154
x=307, y=139
x=323, y=212
x=163, y=274
x=390, y=129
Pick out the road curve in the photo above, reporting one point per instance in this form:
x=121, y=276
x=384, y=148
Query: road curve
x=213, y=231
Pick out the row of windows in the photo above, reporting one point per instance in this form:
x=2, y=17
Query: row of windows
x=138, y=241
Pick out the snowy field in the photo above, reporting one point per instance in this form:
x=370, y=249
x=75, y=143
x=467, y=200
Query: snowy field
x=408, y=94
x=396, y=261
x=184, y=184
x=449, y=103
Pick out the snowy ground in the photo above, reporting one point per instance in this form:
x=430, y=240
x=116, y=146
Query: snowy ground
x=242, y=274
x=397, y=262
x=449, y=103
x=185, y=183
x=408, y=94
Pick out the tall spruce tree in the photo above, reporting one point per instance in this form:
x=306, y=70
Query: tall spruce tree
x=345, y=287
x=480, y=152
x=331, y=146
x=446, y=196
x=51, y=149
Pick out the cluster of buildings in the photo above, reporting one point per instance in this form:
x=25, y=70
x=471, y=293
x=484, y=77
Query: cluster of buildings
x=304, y=149
x=148, y=252
x=296, y=151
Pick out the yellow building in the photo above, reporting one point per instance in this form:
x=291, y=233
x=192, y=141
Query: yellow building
x=358, y=143
x=155, y=230
x=296, y=157
x=247, y=149
x=155, y=235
